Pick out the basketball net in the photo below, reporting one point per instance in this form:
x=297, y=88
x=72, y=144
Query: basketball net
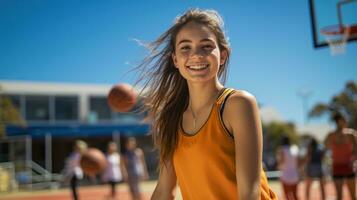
x=337, y=40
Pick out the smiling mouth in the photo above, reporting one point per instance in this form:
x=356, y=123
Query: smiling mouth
x=198, y=67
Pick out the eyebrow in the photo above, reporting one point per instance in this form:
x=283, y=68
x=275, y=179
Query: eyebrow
x=203, y=40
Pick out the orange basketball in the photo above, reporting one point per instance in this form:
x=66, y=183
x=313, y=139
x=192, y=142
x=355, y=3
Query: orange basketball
x=93, y=161
x=122, y=97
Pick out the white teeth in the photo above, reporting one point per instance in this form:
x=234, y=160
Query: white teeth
x=198, y=66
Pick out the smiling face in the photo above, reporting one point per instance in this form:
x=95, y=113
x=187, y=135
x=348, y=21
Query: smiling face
x=197, y=55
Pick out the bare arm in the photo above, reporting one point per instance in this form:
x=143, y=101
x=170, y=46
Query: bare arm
x=327, y=141
x=166, y=186
x=123, y=168
x=243, y=117
x=353, y=138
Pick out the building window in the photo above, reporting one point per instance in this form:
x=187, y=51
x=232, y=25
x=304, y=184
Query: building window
x=66, y=108
x=99, y=109
x=37, y=108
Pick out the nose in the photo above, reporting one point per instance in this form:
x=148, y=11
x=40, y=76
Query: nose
x=197, y=53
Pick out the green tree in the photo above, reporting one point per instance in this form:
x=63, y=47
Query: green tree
x=345, y=103
x=8, y=114
x=275, y=130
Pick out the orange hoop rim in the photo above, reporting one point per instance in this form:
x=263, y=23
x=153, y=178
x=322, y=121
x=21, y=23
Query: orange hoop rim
x=339, y=30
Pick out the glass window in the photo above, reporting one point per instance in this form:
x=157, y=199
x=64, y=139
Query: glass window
x=66, y=108
x=99, y=108
x=37, y=108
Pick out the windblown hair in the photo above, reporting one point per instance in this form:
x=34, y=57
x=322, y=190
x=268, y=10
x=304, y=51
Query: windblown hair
x=313, y=144
x=164, y=90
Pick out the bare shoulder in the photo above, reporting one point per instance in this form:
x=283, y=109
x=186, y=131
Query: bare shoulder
x=329, y=136
x=241, y=100
x=241, y=112
x=241, y=97
x=350, y=133
x=328, y=139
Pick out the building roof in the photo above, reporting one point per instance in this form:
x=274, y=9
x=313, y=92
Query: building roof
x=48, y=88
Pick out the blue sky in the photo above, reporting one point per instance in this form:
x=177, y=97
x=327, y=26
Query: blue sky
x=87, y=41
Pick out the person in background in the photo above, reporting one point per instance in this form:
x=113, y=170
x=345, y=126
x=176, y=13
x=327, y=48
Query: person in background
x=313, y=166
x=115, y=171
x=73, y=171
x=135, y=166
x=287, y=158
x=343, y=146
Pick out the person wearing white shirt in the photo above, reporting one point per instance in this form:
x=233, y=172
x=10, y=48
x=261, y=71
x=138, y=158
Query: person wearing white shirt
x=287, y=157
x=115, y=171
x=73, y=171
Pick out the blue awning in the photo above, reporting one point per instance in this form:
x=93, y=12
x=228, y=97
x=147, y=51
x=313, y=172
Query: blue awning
x=77, y=130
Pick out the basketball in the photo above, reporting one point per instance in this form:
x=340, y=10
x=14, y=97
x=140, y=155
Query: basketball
x=93, y=161
x=122, y=97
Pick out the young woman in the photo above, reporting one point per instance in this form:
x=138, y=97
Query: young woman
x=209, y=137
x=136, y=168
x=288, y=165
x=342, y=143
x=115, y=171
x=73, y=170
x=314, y=169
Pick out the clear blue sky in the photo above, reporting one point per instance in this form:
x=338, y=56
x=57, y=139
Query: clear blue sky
x=87, y=41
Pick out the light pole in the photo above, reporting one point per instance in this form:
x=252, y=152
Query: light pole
x=304, y=94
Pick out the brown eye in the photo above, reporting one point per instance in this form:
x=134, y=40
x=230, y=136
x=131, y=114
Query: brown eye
x=207, y=47
x=185, y=48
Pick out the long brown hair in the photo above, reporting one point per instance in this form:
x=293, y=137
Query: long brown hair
x=164, y=90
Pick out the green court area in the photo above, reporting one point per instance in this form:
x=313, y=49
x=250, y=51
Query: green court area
x=100, y=192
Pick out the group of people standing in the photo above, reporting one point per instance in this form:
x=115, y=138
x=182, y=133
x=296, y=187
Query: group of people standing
x=129, y=167
x=342, y=147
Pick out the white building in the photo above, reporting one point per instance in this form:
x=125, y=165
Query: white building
x=46, y=102
x=57, y=114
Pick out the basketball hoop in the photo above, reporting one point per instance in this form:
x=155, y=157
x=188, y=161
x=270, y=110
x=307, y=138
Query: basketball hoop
x=336, y=37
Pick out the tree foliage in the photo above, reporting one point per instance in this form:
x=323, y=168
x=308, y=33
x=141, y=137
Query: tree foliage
x=275, y=130
x=345, y=103
x=9, y=114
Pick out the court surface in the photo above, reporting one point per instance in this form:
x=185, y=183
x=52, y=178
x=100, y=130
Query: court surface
x=100, y=192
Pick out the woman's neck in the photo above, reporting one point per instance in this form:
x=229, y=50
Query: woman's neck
x=202, y=95
x=340, y=129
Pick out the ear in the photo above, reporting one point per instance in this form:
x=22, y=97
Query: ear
x=224, y=55
x=173, y=56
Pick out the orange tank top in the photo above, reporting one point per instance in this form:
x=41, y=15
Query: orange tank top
x=204, y=163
